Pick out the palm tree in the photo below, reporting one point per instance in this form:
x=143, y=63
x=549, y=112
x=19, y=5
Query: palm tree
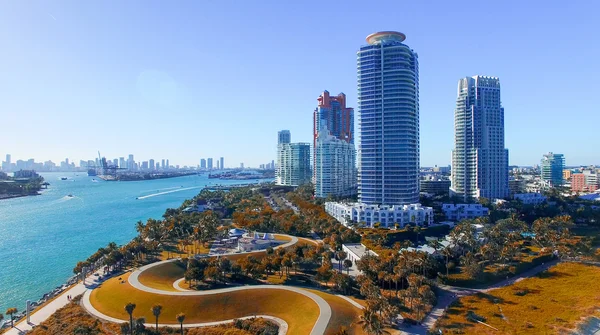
x=156, y=309
x=180, y=319
x=11, y=311
x=371, y=324
x=129, y=309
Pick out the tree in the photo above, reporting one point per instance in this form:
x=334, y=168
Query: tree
x=11, y=311
x=371, y=324
x=140, y=328
x=340, y=256
x=156, y=309
x=347, y=265
x=129, y=309
x=180, y=319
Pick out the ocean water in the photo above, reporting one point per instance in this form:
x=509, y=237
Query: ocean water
x=43, y=237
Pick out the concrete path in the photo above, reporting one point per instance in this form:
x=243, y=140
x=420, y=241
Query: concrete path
x=324, y=308
x=60, y=301
x=85, y=301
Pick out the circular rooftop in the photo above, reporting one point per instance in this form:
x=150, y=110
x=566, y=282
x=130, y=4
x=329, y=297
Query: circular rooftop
x=378, y=37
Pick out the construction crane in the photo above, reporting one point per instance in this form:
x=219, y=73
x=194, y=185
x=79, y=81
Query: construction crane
x=107, y=169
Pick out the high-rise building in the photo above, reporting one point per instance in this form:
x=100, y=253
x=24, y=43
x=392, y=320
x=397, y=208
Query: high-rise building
x=293, y=161
x=334, y=166
x=388, y=105
x=168, y=165
x=130, y=162
x=203, y=163
x=144, y=165
x=479, y=158
x=162, y=165
x=210, y=163
x=122, y=163
x=551, y=168
x=6, y=165
x=331, y=113
x=242, y=166
x=218, y=164
x=284, y=136
x=388, y=141
x=222, y=163
x=152, y=164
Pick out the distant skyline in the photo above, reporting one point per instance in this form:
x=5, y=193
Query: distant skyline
x=211, y=79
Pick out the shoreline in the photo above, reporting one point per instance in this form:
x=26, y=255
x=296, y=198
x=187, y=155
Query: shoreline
x=143, y=177
x=13, y=196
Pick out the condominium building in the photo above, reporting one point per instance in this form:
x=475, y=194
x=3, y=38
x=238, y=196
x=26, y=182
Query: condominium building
x=334, y=166
x=388, y=115
x=293, y=161
x=203, y=163
x=222, y=160
x=332, y=113
x=435, y=186
x=209, y=163
x=458, y=212
x=284, y=136
x=551, y=169
x=387, y=216
x=479, y=159
x=586, y=181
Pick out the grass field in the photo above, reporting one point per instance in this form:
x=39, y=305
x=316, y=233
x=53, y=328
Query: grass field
x=547, y=304
x=343, y=314
x=163, y=276
x=298, y=311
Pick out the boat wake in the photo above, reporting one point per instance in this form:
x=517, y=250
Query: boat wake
x=162, y=189
x=167, y=192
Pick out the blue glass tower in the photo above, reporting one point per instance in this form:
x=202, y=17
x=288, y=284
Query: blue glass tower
x=388, y=115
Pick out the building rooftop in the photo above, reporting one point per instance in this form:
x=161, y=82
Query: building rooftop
x=359, y=250
x=378, y=37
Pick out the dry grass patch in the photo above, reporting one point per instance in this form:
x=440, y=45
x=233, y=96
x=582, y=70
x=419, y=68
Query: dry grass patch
x=298, y=311
x=163, y=276
x=343, y=314
x=547, y=304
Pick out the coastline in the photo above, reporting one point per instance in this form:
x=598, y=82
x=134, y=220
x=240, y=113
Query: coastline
x=12, y=196
x=141, y=177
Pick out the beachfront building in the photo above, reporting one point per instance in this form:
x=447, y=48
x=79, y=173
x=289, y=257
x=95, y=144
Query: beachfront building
x=551, y=169
x=436, y=186
x=459, y=212
x=385, y=216
x=479, y=159
x=332, y=113
x=388, y=104
x=356, y=251
x=530, y=198
x=334, y=166
x=293, y=161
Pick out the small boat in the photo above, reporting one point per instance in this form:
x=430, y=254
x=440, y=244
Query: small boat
x=70, y=195
x=63, y=178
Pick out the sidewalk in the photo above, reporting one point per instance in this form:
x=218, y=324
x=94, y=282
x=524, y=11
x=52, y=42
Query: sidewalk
x=44, y=313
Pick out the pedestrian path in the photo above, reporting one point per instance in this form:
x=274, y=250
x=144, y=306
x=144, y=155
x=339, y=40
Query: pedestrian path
x=318, y=328
x=60, y=301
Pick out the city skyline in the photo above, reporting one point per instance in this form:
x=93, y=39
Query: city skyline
x=151, y=85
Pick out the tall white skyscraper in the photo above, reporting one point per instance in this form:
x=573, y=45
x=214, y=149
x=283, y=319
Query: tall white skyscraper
x=209, y=162
x=388, y=107
x=479, y=158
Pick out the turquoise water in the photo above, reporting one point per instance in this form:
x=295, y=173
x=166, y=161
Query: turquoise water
x=43, y=237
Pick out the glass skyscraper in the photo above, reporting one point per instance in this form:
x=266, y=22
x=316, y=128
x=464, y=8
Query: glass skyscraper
x=552, y=167
x=388, y=116
x=479, y=159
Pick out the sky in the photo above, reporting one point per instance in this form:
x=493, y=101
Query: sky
x=187, y=80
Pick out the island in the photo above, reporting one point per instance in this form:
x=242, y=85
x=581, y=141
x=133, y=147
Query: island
x=23, y=183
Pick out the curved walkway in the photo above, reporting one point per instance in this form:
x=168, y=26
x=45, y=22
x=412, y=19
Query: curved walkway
x=324, y=308
x=86, y=303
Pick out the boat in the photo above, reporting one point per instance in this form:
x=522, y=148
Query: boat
x=70, y=195
x=63, y=178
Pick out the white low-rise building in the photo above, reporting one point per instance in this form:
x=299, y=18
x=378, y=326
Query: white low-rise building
x=387, y=216
x=530, y=198
x=460, y=212
x=356, y=251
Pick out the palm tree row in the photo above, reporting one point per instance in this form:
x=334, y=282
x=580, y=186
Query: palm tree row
x=156, y=311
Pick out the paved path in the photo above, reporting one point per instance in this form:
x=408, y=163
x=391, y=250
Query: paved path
x=60, y=301
x=319, y=327
x=447, y=294
x=85, y=301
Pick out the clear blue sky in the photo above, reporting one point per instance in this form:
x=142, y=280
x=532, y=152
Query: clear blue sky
x=190, y=79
